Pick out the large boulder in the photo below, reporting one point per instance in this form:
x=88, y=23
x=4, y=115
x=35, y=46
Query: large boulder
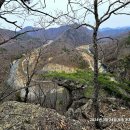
x=48, y=95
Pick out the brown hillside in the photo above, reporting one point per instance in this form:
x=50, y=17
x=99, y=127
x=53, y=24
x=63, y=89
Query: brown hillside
x=59, y=56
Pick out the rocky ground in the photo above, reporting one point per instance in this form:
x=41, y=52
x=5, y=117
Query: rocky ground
x=24, y=116
x=21, y=116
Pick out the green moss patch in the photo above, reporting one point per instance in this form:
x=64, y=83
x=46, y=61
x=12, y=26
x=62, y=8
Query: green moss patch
x=108, y=87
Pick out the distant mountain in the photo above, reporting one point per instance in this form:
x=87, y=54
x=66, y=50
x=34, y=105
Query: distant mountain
x=18, y=45
x=114, y=32
x=54, y=33
x=45, y=34
x=75, y=36
x=6, y=34
x=67, y=33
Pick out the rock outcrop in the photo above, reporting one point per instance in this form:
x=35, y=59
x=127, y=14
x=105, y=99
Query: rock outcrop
x=23, y=116
x=76, y=91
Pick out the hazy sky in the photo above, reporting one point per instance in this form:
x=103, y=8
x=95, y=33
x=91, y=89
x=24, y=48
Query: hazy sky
x=114, y=21
x=55, y=5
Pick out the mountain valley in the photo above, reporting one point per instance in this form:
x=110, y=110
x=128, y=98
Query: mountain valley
x=57, y=66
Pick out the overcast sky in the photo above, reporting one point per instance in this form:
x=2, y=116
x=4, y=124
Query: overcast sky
x=53, y=5
x=114, y=21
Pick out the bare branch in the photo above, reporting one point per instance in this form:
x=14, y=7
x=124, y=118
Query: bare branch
x=109, y=13
x=17, y=35
x=85, y=24
x=38, y=11
x=13, y=23
x=14, y=91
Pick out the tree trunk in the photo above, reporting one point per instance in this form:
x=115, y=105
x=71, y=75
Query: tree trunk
x=26, y=94
x=96, y=82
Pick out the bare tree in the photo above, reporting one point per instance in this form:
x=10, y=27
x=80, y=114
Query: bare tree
x=30, y=73
x=93, y=9
x=23, y=9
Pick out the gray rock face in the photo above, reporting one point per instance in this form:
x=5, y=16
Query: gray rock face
x=79, y=110
x=21, y=116
x=58, y=99
x=59, y=94
x=46, y=94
